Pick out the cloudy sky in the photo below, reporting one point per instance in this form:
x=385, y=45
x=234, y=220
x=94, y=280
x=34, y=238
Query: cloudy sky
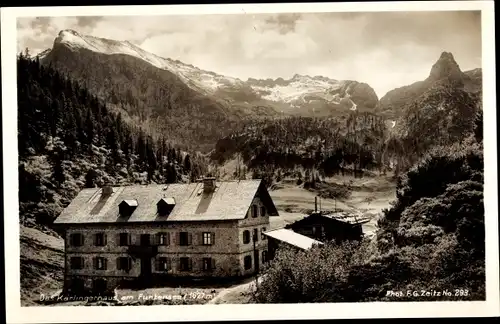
x=384, y=49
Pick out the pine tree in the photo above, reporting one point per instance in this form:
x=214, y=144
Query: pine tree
x=90, y=178
x=58, y=171
x=187, y=163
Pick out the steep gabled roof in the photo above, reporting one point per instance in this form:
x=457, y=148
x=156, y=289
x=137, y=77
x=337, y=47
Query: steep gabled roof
x=229, y=201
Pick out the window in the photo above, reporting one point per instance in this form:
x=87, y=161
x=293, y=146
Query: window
x=255, y=211
x=208, y=238
x=185, y=264
x=248, y=262
x=262, y=211
x=264, y=256
x=208, y=264
x=163, y=238
x=100, y=239
x=100, y=263
x=262, y=235
x=255, y=235
x=124, y=263
x=124, y=239
x=163, y=264
x=76, y=263
x=246, y=237
x=185, y=238
x=76, y=239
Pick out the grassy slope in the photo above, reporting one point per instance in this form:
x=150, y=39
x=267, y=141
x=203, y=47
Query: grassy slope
x=42, y=265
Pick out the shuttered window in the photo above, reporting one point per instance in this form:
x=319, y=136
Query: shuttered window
x=255, y=211
x=207, y=238
x=123, y=263
x=248, y=262
x=124, y=239
x=208, y=264
x=99, y=239
x=163, y=264
x=246, y=237
x=163, y=239
x=100, y=263
x=185, y=264
x=185, y=239
x=76, y=239
x=262, y=211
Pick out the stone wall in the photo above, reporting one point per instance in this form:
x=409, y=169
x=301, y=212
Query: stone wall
x=225, y=245
x=260, y=223
x=228, y=249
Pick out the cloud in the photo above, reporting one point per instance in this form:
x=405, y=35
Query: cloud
x=88, y=21
x=284, y=23
x=384, y=49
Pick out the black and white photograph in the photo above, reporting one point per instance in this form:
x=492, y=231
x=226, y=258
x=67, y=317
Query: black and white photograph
x=250, y=157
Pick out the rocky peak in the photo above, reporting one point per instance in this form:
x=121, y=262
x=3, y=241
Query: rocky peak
x=68, y=31
x=445, y=67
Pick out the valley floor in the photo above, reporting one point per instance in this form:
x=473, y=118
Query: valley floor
x=42, y=255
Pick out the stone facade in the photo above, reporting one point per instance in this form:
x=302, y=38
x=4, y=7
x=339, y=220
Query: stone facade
x=223, y=257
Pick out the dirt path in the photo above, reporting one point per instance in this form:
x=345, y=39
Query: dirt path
x=235, y=295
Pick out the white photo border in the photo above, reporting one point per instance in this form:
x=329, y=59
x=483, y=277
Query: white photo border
x=17, y=314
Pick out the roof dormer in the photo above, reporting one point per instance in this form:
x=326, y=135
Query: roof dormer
x=165, y=206
x=127, y=207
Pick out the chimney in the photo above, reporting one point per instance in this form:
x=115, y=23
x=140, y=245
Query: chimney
x=315, y=204
x=107, y=190
x=208, y=184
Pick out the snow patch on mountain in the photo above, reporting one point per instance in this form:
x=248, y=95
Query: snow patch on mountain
x=296, y=91
x=348, y=96
x=298, y=88
x=192, y=76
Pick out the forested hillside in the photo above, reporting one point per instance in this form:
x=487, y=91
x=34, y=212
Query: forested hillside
x=328, y=145
x=68, y=139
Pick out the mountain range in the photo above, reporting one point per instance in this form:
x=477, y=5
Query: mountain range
x=169, y=95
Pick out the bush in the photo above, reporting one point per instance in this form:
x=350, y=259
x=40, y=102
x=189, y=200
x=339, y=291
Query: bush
x=316, y=275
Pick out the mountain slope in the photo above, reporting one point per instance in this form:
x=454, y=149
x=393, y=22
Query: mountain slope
x=303, y=95
x=441, y=110
x=444, y=71
x=154, y=98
